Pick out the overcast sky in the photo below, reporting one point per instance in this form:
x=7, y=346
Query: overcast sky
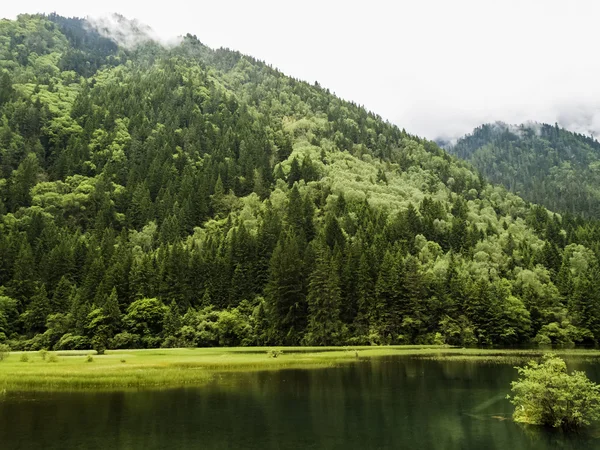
x=437, y=68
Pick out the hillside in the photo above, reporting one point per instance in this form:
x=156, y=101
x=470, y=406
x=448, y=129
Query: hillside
x=186, y=196
x=542, y=163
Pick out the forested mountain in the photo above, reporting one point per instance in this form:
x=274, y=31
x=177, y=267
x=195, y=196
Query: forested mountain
x=196, y=197
x=542, y=163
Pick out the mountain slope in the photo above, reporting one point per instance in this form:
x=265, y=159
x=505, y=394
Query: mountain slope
x=544, y=164
x=189, y=196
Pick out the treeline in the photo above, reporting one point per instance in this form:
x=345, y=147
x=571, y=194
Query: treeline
x=191, y=197
x=542, y=163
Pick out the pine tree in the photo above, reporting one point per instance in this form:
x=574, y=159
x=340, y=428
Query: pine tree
x=564, y=279
x=140, y=211
x=268, y=234
x=170, y=230
x=550, y=257
x=23, y=284
x=22, y=180
x=308, y=211
x=37, y=312
x=386, y=289
x=295, y=212
x=365, y=304
x=217, y=199
x=112, y=313
x=243, y=282
x=324, y=298
x=333, y=232
x=6, y=88
x=410, y=307
x=62, y=296
x=174, y=270
x=295, y=173
x=285, y=292
x=308, y=170
x=584, y=304
x=172, y=320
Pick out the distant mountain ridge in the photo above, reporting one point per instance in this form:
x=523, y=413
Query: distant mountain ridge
x=543, y=163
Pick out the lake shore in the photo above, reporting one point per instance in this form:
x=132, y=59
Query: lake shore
x=161, y=368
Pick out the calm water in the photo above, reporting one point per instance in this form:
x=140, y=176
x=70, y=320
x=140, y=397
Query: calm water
x=389, y=403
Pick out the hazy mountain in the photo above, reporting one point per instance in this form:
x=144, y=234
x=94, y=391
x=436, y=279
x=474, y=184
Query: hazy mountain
x=544, y=164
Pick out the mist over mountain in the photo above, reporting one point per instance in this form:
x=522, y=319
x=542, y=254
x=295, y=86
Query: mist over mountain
x=543, y=163
x=464, y=71
x=156, y=195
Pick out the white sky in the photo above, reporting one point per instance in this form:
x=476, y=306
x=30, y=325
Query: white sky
x=438, y=68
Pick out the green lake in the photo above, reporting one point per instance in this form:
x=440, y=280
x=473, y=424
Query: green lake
x=382, y=403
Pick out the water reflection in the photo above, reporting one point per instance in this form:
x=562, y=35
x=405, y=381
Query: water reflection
x=380, y=404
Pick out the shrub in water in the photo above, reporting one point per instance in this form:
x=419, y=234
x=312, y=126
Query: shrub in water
x=274, y=353
x=546, y=394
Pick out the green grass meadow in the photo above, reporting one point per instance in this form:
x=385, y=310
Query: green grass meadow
x=157, y=368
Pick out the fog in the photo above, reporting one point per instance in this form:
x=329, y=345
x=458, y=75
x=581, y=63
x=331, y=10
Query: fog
x=434, y=67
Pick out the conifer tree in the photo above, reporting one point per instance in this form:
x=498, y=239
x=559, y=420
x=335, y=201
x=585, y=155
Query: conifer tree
x=324, y=298
x=285, y=291
x=61, y=298
x=295, y=173
x=37, y=312
x=366, y=313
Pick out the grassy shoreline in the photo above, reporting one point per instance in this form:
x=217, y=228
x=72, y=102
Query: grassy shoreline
x=162, y=368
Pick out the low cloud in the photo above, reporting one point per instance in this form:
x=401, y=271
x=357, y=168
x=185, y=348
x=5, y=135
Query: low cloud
x=434, y=67
x=128, y=33
x=450, y=124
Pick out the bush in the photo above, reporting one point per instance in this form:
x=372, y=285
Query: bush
x=151, y=341
x=89, y=358
x=70, y=341
x=547, y=395
x=99, y=344
x=24, y=357
x=125, y=340
x=52, y=358
x=38, y=342
x=171, y=342
x=4, y=351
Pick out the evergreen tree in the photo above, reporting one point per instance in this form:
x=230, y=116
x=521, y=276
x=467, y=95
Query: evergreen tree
x=285, y=292
x=37, y=312
x=295, y=173
x=6, y=88
x=62, y=296
x=324, y=298
x=23, y=284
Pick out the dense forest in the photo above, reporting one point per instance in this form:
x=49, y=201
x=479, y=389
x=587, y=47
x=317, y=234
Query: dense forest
x=544, y=164
x=186, y=196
